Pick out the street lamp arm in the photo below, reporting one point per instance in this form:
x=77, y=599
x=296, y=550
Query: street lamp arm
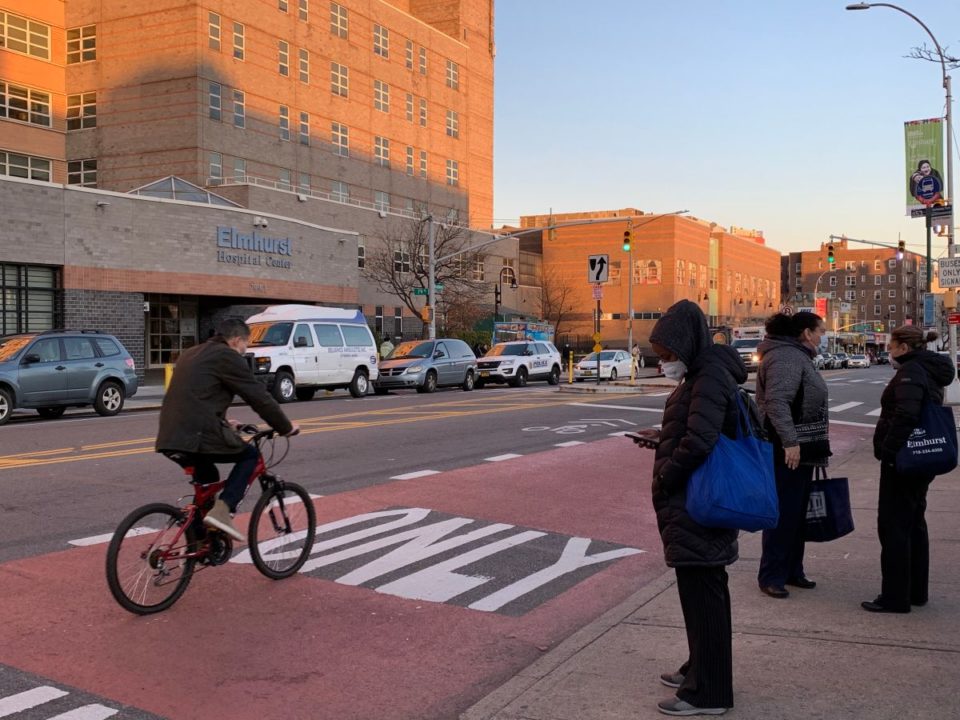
x=867, y=6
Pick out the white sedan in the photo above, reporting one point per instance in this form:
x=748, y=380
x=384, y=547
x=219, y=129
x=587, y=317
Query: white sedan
x=613, y=364
x=858, y=361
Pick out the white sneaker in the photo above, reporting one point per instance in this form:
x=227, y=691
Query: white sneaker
x=220, y=518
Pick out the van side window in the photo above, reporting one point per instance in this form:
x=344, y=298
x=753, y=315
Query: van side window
x=328, y=335
x=442, y=348
x=462, y=349
x=540, y=349
x=302, y=336
x=355, y=335
x=48, y=350
x=79, y=348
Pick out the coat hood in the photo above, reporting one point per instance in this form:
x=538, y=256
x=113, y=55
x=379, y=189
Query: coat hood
x=683, y=330
x=938, y=367
x=724, y=356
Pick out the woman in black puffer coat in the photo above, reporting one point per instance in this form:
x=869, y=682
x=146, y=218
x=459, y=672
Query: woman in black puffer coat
x=702, y=406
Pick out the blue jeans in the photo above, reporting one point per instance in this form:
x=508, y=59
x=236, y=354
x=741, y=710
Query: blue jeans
x=205, y=471
x=783, y=546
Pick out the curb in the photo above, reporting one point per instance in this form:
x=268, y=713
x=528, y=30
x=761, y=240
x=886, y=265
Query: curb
x=586, y=388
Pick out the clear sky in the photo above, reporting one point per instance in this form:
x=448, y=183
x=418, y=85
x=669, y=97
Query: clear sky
x=782, y=116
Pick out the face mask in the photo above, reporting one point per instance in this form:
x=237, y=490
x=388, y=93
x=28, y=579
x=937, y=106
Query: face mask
x=674, y=370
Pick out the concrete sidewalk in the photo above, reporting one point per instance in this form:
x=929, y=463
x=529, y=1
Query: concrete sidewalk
x=816, y=654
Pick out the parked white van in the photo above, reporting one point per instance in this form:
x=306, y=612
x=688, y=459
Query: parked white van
x=299, y=349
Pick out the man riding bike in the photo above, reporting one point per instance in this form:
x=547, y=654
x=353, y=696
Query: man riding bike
x=194, y=430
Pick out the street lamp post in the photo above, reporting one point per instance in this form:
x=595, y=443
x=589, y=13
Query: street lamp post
x=498, y=291
x=953, y=391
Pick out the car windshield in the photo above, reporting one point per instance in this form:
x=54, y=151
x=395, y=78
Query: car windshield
x=858, y=357
x=412, y=349
x=270, y=333
x=13, y=344
x=507, y=349
x=745, y=343
x=605, y=356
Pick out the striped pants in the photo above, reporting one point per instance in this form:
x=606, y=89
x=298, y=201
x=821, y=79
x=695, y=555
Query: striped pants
x=708, y=674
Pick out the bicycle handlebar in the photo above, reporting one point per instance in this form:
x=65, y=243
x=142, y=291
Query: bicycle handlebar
x=258, y=434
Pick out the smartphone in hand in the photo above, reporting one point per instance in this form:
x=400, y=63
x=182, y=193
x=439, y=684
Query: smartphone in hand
x=643, y=439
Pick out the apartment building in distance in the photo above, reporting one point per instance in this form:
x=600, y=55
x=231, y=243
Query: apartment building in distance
x=338, y=124
x=730, y=273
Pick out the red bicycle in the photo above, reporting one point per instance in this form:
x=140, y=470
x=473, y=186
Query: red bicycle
x=158, y=547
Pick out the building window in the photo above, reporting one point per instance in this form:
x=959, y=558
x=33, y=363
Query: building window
x=303, y=185
x=24, y=36
x=423, y=163
x=339, y=191
x=381, y=201
x=381, y=41
x=377, y=316
x=361, y=262
x=339, y=79
x=303, y=9
x=453, y=123
x=398, y=322
x=849, y=280
x=423, y=112
x=401, y=261
x=876, y=309
x=891, y=293
x=82, y=172
x=891, y=278
x=381, y=151
x=850, y=265
x=284, y=179
x=892, y=263
x=338, y=20
x=283, y=58
x=891, y=309
x=340, y=139
x=409, y=107
x=216, y=168
x=239, y=111
x=304, y=128
x=81, y=111
x=216, y=100
x=282, y=5
x=876, y=264
x=238, y=31
x=81, y=44
x=24, y=166
x=408, y=58
x=239, y=170
x=478, y=268
x=453, y=75
x=28, y=295
x=213, y=30
x=877, y=294
x=304, y=65
x=877, y=279
x=24, y=104
x=423, y=61
x=850, y=294
x=833, y=281
x=410, y=161
x=381, y=96
x=453, y=172
x=284, y=122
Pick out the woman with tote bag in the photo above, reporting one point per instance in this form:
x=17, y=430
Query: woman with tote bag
x=921, y=377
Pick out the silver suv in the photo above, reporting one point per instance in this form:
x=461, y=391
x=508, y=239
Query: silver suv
x=517, y=362
x=57, y=369
x=427, y=365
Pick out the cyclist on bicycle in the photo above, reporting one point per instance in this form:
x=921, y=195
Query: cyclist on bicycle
x=194, y=430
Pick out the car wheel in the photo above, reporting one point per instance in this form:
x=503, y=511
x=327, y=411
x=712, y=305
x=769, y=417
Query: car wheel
x=109, y=399
x=305, y=394
x=6, y=406
x=51, y=413
x=554, y=378
x=613, y=374
x=284, y=389
x=468, y=381
x=520, y=380
x=360, y=384
x=429, y=383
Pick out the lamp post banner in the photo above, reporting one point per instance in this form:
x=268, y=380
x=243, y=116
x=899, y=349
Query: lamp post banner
x=923, y=142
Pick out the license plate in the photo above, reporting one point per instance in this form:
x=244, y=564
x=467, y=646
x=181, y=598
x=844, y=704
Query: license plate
x=484, y=373
x=587, y=372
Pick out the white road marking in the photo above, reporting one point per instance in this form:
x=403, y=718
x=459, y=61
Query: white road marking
x=845, y=406
x=617, y=407
x=858, y=381
x=416, y=474
x=878, y=382
x=28, y=699
x=87, y=712
x=657, y=394
x=853, y=424
x=875, y=413
x=571, y=443
x=499, y=458
x=99, y=539
x=618, y=434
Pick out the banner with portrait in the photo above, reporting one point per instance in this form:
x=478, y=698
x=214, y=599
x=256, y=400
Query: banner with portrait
x=924, y=162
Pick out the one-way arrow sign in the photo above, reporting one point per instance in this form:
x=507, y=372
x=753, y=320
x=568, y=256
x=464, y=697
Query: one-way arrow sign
x=598, y=268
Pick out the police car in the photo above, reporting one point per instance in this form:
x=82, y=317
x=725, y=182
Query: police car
x=517, y=362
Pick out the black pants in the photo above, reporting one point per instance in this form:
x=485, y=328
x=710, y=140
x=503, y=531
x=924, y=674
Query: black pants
x=205, y=471
x=904, y=544
x=783, y=546
x=708, y=674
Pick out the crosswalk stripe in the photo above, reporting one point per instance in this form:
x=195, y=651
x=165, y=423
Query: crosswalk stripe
x=28, y=699
x=87, y=712
x=875, y=413
x=845, y=406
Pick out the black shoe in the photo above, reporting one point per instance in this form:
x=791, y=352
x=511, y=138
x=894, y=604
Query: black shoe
x=874, y=606
x=802, y=582
x=775, y=591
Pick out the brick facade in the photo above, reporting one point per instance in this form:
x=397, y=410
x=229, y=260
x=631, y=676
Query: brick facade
x=117, y=313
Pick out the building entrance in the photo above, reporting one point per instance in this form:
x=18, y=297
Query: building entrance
x=171, y=327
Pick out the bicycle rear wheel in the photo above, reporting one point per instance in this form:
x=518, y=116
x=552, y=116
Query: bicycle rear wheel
x=147, y=567
x=281, y=532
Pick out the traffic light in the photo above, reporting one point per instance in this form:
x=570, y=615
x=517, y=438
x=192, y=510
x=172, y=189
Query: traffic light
x=627, y=239
x=830, y=258
x=426, y=313
x=901, y=247
x=878, y=327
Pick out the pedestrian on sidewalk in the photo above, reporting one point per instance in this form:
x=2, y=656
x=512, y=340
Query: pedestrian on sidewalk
x=635, y=360
x=792, y=397
x=702, y=406
x=386, y=347
x=921, y=376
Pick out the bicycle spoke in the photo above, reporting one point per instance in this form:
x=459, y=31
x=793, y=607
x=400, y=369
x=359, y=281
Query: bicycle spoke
x=281, y=532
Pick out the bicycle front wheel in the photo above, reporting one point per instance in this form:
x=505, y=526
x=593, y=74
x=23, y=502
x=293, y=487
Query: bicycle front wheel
x=147, y=564
x=281, y=532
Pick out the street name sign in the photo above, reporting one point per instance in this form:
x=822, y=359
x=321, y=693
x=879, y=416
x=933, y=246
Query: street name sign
x=423, y=291
x=948, y=272
x=598, y=268
x=938, y=211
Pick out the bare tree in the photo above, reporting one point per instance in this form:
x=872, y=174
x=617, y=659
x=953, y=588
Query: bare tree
x=400, y=263
x=931, y=54
x=557, y=298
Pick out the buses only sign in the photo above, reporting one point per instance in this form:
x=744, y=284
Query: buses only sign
x=948, y=272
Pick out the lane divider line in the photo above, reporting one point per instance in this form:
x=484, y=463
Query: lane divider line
x=415, y=474
x=617, y=407
x=501, y=458
x=570, y=443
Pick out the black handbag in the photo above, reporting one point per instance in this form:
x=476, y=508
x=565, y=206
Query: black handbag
x=828, y=513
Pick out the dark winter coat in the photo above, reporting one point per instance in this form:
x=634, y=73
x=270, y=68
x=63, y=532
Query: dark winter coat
x=923, y=374
x=702, y=406
x=205, y=380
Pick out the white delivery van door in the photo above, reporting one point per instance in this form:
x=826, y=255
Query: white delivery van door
x=304, y=355
x=329, y=350
x=359, y=350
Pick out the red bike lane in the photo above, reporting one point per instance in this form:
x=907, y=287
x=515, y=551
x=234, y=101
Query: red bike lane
x=420, y=597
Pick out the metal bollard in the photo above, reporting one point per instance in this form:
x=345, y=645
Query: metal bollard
x=167, y=375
